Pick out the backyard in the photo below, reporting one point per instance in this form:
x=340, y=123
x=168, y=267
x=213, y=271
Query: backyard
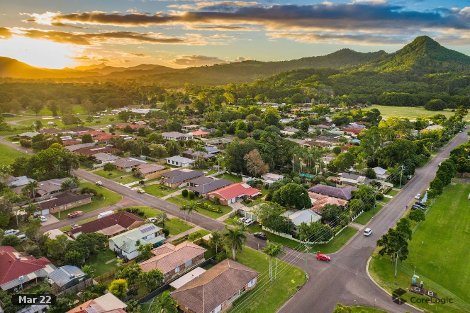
x=109, y=198
x=439, y=263
x=267, y=297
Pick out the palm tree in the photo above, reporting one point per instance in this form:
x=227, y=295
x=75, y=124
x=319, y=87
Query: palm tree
x=188, y=208
x=235, y=238
x=30, y=188
x=165, y=304
x=216, y=240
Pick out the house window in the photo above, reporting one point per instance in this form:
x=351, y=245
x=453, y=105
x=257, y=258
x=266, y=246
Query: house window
x=218, y=309
x=188, y=263
x=177, y=269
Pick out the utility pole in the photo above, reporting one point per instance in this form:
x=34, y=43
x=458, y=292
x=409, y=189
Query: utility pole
x=401, y=173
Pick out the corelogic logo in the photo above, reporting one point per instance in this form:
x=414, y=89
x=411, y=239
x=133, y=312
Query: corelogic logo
x=397, y=296
x=432, y=300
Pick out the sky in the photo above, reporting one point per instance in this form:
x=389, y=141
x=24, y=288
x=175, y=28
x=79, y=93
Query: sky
x=66, y=33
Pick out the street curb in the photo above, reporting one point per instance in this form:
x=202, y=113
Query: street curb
x=383, y=289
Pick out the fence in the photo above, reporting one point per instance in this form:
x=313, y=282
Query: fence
x=284, y=235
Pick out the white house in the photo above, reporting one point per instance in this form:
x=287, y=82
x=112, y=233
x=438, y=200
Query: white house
x=126, y=244
x=303, y=216
x=177, y=136
x=179, y=161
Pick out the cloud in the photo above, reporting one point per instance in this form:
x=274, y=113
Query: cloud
x=356, y=15
x=5, y=33
x=91, y=38
x=197, y=60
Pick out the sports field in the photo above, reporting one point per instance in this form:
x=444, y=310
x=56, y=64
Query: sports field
x=409, y=112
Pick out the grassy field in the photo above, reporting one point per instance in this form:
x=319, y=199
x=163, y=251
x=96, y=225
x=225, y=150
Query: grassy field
x=438, y=253
x=8, y=155
x=109, y=198
x=158, y=190
x=117, y=176
x=365, y=217
x=409, y=112
x=337, y=243
x=230, y=177
x=99, y=262
x=267, y=297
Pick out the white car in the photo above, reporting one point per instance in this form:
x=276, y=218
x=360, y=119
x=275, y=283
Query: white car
x=10, y=232
x=152, y=219
x=367, y=232
x=248, y=222
x=22, y=237
x=418, y=196
x=99, y=183
x=43, y=218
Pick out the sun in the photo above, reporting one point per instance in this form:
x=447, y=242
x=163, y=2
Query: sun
x=40, y=52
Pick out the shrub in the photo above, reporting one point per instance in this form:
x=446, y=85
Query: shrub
x=191, y=195
x=109, y=167
x=88, y=190
x=166, y=231
x=184, y=193
x=379, y=196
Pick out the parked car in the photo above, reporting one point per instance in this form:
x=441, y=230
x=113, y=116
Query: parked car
x=105, y=213
x=10, y=232
x=152, y=219
x=367, y=232
x=99, y=183
x=417, y=207
x=421, y=205
x=418, y=196
x=74, y=214
x=248, y=222
x=22, y=237
x=323, y=257
x=260, y=235
x=43, y=219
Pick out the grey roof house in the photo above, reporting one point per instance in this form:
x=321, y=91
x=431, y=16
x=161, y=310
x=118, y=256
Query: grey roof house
x=178, y=177
x=203, y=185
x=66, y=276
x=344, y=193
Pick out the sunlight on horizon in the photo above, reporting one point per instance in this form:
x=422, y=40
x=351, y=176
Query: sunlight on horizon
x=39, y=52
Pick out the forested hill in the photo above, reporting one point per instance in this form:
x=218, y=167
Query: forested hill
x=421, y=71
x=236, y=72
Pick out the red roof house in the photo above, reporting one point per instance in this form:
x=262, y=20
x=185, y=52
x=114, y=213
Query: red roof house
x=16, y=270
x=234, y=193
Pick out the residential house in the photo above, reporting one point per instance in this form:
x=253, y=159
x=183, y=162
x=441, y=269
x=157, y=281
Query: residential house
x=177, y=136
x=179, y=161
x=234, y=193
x=54, y=233
x=107, y=303
x=150, y=171
x=176, y=178
x=65, y=277
x=105, y=158
x=18, y=183
x=289, y=131
x=127, y=164
x=197, y=155
x=190, y=128
x=28, y=135
x=126, y=244
x=211, y=149
x=109, y=225
x=271, y=178
x=344, y=193
x=202, y=185
x=319, y=201
x=306, y=216
x=200, y=133
x=18, y=270
x=94, y=150
x=353, y=179
x=380, y=173
x=216, y=289
x=173, y=261
x=62, y=202
x=73, y=148
x=48, y=188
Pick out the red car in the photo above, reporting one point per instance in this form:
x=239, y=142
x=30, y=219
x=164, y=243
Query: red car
x=323, y=257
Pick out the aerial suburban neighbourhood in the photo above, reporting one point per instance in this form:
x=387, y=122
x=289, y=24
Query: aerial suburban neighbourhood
x=234, y=156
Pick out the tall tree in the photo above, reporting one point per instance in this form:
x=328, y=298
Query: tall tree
x=255, y=164
x=234, y=238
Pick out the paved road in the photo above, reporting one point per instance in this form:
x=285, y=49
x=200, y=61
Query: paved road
x=344, y=279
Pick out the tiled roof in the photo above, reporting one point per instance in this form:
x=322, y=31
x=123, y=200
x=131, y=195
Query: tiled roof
x=236, y=190
x=180, y=176
x=13, y=265
x=205, y=186
x=108, y=303
x=168, y=257
x=128, y=162
x=62, y=199
x=149, y=168
x=336, y=192
x=319, y=201
x=122, y=218
x=213, y=287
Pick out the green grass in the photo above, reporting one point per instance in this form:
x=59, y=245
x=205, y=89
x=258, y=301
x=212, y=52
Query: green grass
x=158, y=190
x=8, y=154
x=336, y=243
x=117, y=176
x=177, y=226
x=365, y=217
x=270, y=297
x=98, y=262
x=363, y=309
x=230, y=177
x=109, y=198
x=408, y=112
x=179, y=200
x=437, y=252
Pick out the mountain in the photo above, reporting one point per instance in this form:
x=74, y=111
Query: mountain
x=236, y=72
x=422, y=55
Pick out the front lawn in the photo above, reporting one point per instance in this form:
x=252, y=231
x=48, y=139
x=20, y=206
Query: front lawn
x=109, y=198
x=103, y=262
x=363, y=309
x=267, y=297
x=232, y=178
x=336, y=243
x=181, y=201
x=177, y=226
x=117, y=176
x=438, y=253
x=158, y=190
x=8, y=154
x=365, y=217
